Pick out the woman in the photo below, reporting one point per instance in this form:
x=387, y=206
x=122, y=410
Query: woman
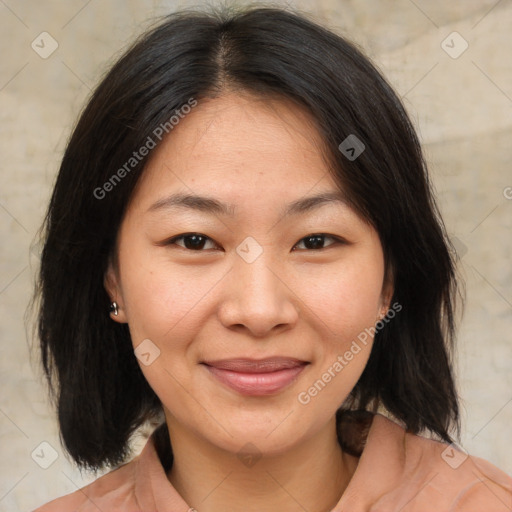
x=242, y=249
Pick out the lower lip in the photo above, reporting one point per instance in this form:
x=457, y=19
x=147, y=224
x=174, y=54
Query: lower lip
x=256, y=384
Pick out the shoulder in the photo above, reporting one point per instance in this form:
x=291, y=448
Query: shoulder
x=432, y=475
x=110, y=490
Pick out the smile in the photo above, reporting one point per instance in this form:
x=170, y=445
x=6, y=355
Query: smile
x=256, y=377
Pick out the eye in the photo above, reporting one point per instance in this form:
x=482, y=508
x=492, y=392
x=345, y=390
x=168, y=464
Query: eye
x=193, y=242
x=316, y=241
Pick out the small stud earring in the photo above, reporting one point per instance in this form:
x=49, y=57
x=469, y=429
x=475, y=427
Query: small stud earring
x=113, y=308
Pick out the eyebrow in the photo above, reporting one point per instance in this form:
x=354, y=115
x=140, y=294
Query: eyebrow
x=215, y=207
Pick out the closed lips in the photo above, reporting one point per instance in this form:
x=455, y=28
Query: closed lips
x=256, y=377
x=267, y=365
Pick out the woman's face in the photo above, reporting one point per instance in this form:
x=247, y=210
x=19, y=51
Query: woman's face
x=245, y=278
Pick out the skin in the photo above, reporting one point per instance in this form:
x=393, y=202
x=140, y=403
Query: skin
x=292, y=300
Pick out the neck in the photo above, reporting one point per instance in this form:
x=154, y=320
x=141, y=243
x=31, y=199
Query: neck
x=310, y=477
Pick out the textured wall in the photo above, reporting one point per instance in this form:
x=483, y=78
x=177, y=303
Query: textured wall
x=461, y=104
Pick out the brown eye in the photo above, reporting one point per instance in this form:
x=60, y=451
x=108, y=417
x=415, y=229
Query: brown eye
x=316, y=241
x=193, y=242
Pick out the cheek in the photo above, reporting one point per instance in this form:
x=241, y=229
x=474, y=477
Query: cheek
x=344, y=306
x=345, y=297
x=168, y=303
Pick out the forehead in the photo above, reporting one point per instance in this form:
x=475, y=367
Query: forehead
x=238, y=144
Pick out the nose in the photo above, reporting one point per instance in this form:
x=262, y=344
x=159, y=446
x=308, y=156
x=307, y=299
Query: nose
x=257, y=299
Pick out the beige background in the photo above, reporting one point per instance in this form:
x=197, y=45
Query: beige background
x=461, y=106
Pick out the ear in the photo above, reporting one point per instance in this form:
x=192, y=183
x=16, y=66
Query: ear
x=111, y=282
x=388, y=289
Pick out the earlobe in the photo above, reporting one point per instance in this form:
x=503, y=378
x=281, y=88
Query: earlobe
x=386, y=304
x=110, y=282
x=387, y=296
x=388, y=289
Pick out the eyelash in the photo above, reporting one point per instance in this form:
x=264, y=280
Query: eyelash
x=173, y=241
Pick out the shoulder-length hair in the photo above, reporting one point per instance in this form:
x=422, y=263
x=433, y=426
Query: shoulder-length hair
x=99, y=391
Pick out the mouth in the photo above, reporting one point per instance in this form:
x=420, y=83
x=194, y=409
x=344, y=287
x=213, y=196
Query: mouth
x=256, y=377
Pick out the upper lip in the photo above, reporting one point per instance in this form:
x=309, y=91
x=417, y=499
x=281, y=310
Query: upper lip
x=269, y=364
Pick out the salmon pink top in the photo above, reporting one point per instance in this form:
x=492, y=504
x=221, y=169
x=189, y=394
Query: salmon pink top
x=396, y=471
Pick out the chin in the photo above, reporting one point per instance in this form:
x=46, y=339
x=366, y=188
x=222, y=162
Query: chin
x=268, y=437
